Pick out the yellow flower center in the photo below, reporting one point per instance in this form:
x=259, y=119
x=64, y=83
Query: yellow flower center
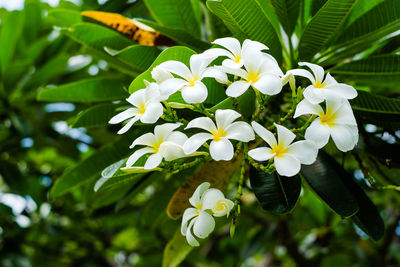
x=237, y=58
x=218, y=134
x=220, y=205
x=199, y=207
x=142, y=109
x=193, y=80
x=156, y=146
x=253, y=77
x=318, y=84
x=328, y=118
x=279, y=150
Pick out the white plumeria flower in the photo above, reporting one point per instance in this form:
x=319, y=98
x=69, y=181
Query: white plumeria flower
x=234, y=52
x=160, y=74
x=201, y=222
x=190, y=84
x=164, y=143
x=261, y=72
x=337, y=121
x=147, y=108
x=321, y=89
x=220, y=147
x=287, y=156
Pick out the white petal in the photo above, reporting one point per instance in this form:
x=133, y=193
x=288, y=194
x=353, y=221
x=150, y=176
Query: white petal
x=177, y=138
x=171, y=151
x=314, y=95
x=171, y=86
x=199, y=62
x=222, y=207
x=211, y=196
x=237, y=88
x=221, y=150
x=240, y=131
x=137, y=155
x=268, y=84
x=124, y=115
x=253, y=60
x=147, y=139
x=305, y=151
x=217, y=52
x=317, y=70
x=229, y=43
x=195, y=141
x=160, y=74
x=204, y=123
x=128, y=125
x=153, y=111
x=225, y=117
x=161, y=132
x=217, y=74
x=261, y=153
x=195, y=94
x=266, y=135
x=287, y=165
x=344, y=114
x=153, y=161
x=253, y=45
x=187, y=215
x=229, y=63
x=153, y=92
x=195, y=199
x=318, y=133
x=234, y=71
x=303, y=73
x=305, y=107
x=344, y=136
x=189, y=237
x=177, y=68
x=343, y=90
x=137, y=98
x=204, y=225
x=285, y=136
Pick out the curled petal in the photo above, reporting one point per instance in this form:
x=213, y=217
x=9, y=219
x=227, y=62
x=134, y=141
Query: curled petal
x=147, y=139
x=124, y=115
x=171, y=151
x=221, y=150
x=199, y=62
x=237, y=88
x=171, y=86
x=195, y=200
x=217, y=52
x=160, y=74
x=217, y=74
x=343, y=90
x=177, y=68
x=210, y=197
x=344, y=136
x=305, y=151
x=303, y=73
x=261, y=153
x=240, y=131
x=305, y=107
x=128, y=125
x=161, y=132
x=195, y=94
x=317, y=70
x=153, y=161
x=318, y=133
x=222, y=207
x=268, y=84
x=229, y=63
x=266, y=135
x=287, y=165
x=153, y=112
x=187, y=216
x=137, y=98
x=204, y=225
x=225, y=117
x=314, y=95
x=229, y=43
x=253, y=45
x=195, y=141
x=137, y=155
x=285, y=136
x=189, y=236
x=177, y=138
x=204, y=123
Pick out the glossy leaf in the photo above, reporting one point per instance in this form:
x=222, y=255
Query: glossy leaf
x=324, y=27
x=287, y=11
x=95, y=116
x=176, y=250
x=88, y=90
x=325, y=178
x=275, y=193
x=246, y=19
x=64, y=17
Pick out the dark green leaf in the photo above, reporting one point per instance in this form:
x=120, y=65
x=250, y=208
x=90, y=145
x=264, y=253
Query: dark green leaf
x=95, y=116
x=325, y=178
x=64, y=17
x=275, y=193
x=176, y=250
x=246, y=19
x=324, y=27
x=287, y=11
x=89, y=90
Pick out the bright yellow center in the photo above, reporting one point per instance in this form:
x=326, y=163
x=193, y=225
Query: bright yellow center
x=218, y=134
x=193, y=80
x=142, y=109
x=237, y=58
x=220, y=205
x=156, y=146
x=279, y=150
x=328, y=118
x=253, y=77
x=199, y=206
x=318, y=84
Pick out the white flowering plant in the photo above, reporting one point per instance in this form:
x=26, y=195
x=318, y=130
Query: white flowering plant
x=247, y=106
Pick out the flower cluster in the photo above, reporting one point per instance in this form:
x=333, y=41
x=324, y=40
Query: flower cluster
x=244, y=67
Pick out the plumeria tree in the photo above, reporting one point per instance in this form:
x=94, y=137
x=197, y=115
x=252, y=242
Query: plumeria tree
x=222, y=123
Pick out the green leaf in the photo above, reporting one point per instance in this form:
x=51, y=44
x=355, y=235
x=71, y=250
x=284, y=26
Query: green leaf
x=88, y=90
x=176, y=14
x=247, y=103
x=324, y=27
x=246, y=19
x=275, y=193
x=91, y=167
x=179, y=36
x=325, y=178
x=227, y=103
x=179, y=53
x=360, y=8
x=287, y=11
x=33, y=20
x=95, y=116
x=176, y=250
x=376, y=70
x=64, y=17
x=11, y=28
x=380, y=110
